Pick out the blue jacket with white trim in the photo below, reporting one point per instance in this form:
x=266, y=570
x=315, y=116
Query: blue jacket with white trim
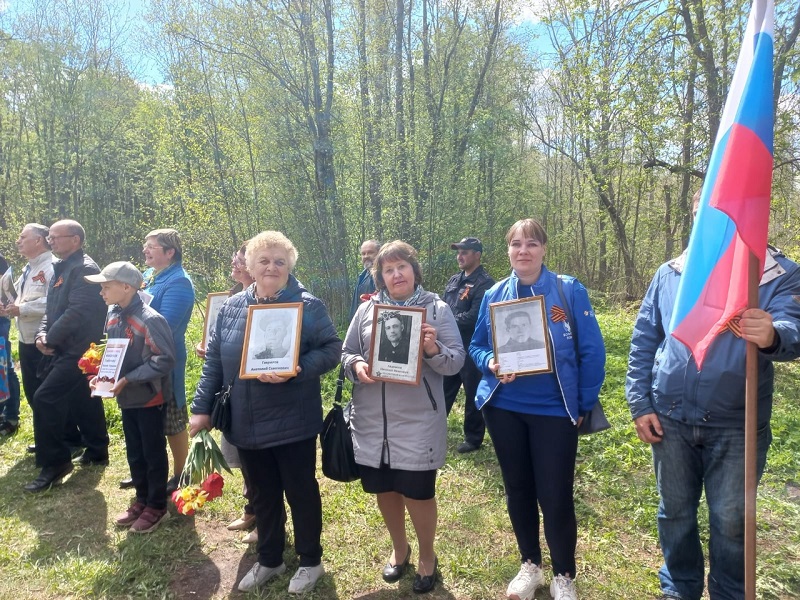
x=580, y=373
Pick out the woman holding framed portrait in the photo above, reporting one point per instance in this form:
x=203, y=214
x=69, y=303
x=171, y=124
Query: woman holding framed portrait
x=533, y=410
x=400, y=344
x=275, y=418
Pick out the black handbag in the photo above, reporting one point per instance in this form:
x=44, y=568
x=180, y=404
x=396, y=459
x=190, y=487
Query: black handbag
x=221, y=409
x=338, y=458
x=596, y=419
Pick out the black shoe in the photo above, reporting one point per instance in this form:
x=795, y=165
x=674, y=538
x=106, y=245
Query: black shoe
x=173, y=484
x=85, y=461
x=8, y=428
x=392, y=573
x=465, y=447
x=126, y=483
x=425, y=583
x=48, y=477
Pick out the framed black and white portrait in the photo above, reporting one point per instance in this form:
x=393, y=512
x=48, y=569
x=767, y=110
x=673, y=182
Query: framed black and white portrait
x=272, y=340
x=213, y=303
x=519, y=336
x=396, y=348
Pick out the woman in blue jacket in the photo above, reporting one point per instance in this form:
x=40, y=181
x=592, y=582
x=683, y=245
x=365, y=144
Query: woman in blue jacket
x=533, y=420
x=173, y=297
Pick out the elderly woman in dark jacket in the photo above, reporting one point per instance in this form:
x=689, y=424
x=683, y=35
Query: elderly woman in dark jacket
x=275, y=419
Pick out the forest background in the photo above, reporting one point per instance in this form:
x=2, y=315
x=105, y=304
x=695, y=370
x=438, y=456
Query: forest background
x=335, y=121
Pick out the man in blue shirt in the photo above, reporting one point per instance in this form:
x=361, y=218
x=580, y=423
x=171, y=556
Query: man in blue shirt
x=365, y=284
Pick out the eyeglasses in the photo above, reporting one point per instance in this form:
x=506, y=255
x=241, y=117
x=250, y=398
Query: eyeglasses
x=52, y=238
x=151, y=247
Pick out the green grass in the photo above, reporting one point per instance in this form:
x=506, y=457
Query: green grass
x=62, y=544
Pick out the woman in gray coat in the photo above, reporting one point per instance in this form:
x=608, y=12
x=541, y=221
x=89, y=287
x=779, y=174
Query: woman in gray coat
x=399, y=430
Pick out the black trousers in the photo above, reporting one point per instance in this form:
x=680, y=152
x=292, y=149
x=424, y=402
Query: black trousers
x=29, y=359
x=146, y=448
x=537, y=458
x=470, y=377
x=272, y=472
x=63, y=394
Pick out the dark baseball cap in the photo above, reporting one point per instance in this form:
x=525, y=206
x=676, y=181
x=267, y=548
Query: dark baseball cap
x=468, y=243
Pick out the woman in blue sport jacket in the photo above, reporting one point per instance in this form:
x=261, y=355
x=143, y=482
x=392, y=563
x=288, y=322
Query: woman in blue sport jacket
x=533, y=420
x=173, y=297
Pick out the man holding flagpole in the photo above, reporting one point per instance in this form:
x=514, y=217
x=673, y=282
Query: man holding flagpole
x=694, y=419
x=700, y=371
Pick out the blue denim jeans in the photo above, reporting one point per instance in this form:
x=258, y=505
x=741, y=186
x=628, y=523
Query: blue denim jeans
x=10, y=409
x=687, y=460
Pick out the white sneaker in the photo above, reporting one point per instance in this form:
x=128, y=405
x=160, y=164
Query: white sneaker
x=305, y=579
x=524, y=585
x=259, y=575
x=563, y=588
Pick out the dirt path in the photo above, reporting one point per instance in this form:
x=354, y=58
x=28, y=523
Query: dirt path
x=214, y=569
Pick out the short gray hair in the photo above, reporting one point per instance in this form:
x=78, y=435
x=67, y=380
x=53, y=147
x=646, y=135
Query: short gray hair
x=41, y=230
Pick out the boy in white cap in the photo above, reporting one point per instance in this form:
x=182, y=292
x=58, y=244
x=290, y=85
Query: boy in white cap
x=142, y=389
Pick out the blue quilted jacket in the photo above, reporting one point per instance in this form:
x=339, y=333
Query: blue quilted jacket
x=269, y=414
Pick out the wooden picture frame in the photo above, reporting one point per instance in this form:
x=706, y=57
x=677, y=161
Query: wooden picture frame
x=396, y=344
x=272, y=340
x=520, y=336
x=214, y=302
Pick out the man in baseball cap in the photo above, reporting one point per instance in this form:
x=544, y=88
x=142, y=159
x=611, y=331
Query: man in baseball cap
x=468, y=243
x=463, y=294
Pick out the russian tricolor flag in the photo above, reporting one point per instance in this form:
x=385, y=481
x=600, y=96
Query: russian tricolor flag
x=733, y=216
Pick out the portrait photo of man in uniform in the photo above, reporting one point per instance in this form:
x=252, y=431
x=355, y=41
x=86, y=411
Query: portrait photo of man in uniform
x=271, y=339
x=395, y=338
x=521, y=335
x=275, y=341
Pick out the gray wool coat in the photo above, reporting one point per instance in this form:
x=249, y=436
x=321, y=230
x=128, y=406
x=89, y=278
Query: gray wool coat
x=406, y=424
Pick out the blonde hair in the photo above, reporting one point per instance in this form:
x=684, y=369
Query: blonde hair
x=270, y=239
